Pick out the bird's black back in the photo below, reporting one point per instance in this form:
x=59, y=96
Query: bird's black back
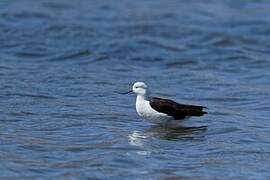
x=176, y=110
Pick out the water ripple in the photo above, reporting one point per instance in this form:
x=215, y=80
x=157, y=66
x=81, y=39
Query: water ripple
x=61, y=62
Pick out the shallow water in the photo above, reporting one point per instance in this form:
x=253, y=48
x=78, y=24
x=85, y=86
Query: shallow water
x=62, y=62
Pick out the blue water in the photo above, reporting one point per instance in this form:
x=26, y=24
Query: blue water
x=61, y=63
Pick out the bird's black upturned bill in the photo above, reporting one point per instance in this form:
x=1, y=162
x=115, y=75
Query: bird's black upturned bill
x=176, y=110
x=125, y=92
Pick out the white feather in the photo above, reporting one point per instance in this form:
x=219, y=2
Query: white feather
x=145, y=110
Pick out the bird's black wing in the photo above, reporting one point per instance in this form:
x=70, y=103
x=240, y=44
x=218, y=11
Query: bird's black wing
x=176, y=110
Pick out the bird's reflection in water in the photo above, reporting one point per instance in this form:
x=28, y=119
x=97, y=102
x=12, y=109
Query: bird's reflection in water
x=175, y=133
x=137, y=138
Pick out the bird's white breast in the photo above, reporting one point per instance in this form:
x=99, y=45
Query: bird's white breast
x=145, y=110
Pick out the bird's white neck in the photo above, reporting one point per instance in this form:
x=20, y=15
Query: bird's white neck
x=141, y=102
x=143, y=97
x=140, y=98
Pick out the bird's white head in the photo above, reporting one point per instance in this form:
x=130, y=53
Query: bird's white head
x=139, y=88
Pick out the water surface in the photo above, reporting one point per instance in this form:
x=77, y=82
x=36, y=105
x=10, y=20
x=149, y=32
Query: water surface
x=62, y=62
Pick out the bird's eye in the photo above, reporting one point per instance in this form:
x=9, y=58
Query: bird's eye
x=136, y=87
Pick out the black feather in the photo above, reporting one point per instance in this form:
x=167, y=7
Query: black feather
x=176, y=110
